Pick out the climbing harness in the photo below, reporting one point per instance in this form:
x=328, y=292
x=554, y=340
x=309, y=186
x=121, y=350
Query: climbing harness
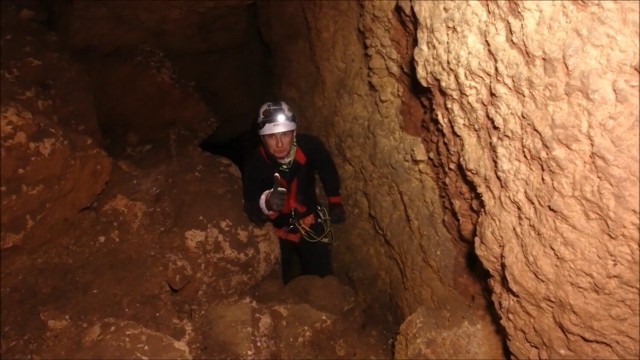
x=326, y=235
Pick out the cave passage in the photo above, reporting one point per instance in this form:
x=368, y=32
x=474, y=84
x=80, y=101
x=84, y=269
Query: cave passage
x=484, y=166
x=160, y=223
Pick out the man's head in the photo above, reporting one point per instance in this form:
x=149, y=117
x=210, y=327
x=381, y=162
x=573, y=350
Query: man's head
x=277, y=127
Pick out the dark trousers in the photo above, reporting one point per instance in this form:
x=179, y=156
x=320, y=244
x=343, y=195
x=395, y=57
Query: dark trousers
x=314, y=259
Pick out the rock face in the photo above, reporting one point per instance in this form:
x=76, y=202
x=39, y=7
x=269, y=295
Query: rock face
x=212, y=44
x=139, y=96
x=159, y=262
x=179, y=26
x=372, y=152
x=547, y=131
x=47, y=176
x=311, y=317
x=358, y=96
x=52, y=165
x=470, y=142
x=431, y=335
x=528, y=148
x=112, y=338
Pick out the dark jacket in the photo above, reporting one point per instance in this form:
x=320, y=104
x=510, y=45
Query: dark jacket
x=299, y=179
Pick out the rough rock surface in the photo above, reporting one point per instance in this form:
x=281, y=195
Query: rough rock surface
x=372, y=152
x=48, y=176
x=395, y=246
x=39, y=74
x=529, y=149
x=117, y=339
x=291, y=323
x=213, y=45
x=139, y=96
x=175, y=26
x=246, y=330
x=490, y=135
x=432, y=335
x=50, y=137
x=140, y=270
x=146, y=252
x=547, y=130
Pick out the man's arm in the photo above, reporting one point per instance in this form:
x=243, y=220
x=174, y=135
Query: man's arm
x=327, y=170
x=329, y=178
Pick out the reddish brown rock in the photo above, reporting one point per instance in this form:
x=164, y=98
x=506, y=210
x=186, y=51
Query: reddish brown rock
x=449, y=334
x=457, y=128
x=115, y=338
x=52, y=165
x=546, y=129
x=48, y=176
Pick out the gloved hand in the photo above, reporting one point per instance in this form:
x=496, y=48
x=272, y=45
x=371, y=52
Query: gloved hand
x=337, y=213
x=277, y=196
x=275, y=199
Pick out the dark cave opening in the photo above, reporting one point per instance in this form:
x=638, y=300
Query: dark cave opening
x=133, y=109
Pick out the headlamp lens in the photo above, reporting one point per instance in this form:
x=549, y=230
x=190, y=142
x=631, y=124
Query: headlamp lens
x=271, y=115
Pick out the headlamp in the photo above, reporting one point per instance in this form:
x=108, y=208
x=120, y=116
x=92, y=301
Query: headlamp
x=275, y=117
x=271, y=117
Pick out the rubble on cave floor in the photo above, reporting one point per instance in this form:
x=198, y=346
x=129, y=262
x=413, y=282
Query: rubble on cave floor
x=153, y=270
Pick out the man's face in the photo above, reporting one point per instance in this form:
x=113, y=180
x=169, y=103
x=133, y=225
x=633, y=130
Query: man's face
x=279, y=144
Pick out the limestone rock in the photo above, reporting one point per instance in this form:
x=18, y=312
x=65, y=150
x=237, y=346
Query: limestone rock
x=184, y=26
x=140, y=98
x=48, y=176
x=546, y=129
x=203, y=233
x=314, y=291
x=241, y=329
x=120, y=339
x=213, y=45
x=245, y=329
x=448, y=335
x=40, y=75
x=52, y=164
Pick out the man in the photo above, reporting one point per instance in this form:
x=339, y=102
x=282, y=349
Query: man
x=279, y=186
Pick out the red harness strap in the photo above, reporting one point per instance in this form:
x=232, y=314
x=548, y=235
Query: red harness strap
x=283, y=234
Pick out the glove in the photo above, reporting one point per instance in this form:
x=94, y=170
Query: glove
x=337, y=213
x=275, y=199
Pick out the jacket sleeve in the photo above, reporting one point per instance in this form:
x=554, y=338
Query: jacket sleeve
x=327, y=171
x=252, y=188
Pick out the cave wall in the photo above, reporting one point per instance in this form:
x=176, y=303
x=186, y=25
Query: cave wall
x=548, y=131
x=212, y=45
x=538, y=149
x=351, y=98
x=522, y=145
x=50, y=138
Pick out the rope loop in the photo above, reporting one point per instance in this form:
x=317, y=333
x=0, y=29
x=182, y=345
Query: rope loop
x=326, y=235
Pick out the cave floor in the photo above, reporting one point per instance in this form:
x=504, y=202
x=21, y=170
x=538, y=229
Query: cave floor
x=95, y=272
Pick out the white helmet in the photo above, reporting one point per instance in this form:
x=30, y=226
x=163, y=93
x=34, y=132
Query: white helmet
x=275, y=117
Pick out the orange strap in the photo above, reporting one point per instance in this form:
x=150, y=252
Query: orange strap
x=282, y=234
x=335, y=199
